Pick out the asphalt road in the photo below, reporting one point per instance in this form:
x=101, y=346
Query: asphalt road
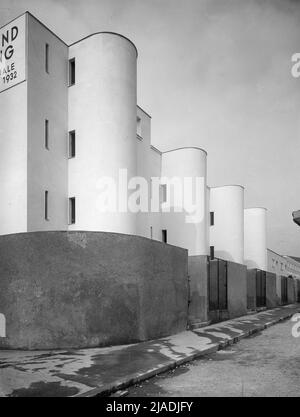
x=266, y=364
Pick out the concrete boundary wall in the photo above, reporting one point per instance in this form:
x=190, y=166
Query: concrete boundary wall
x=237, y=289
x=87, y=289
x=291, y=290
x=198, y=290
x=272, y=297
x=251, y=289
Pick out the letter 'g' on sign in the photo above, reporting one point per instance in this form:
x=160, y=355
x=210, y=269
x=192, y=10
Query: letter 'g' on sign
x=13, y=53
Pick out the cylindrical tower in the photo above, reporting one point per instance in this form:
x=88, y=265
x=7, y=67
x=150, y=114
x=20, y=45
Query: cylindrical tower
x=188, y=226
x=102, y=113
x=227, y=222
x=256, y=238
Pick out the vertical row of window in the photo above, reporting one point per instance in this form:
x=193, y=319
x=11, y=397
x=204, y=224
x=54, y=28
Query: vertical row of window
x=72, y=152
x=72, y=208
x=71, y=144
x=72, y=69
x=72, y=148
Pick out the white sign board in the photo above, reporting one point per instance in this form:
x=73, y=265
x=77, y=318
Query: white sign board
x=13, y=53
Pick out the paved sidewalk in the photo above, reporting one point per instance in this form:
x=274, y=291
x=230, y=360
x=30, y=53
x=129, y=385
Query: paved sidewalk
x=100, y=371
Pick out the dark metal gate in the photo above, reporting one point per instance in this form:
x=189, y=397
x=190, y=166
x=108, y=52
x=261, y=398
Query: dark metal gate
x=284, y=290
x=260, y=288
x=217, y=288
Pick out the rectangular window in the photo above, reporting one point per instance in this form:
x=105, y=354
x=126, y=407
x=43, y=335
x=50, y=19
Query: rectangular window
x=72, y=212
x=151, y=232
x=72, y=72
x=212, y=218
x=47, y=58
x=47, y=134
x=46, y=205
x=164, y=236
x=212, y=252
x=72, y=144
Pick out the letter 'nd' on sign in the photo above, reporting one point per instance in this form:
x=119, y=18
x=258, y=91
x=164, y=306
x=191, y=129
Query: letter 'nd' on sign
x=13, y=53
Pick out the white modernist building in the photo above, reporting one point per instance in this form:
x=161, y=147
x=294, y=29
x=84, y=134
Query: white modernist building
x=69, y=118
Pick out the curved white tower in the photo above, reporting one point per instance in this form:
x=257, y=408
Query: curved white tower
x=256, y=238
x=227, y=230
x=102, y=112
x=187, y=228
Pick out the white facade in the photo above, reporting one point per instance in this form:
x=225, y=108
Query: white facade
x=39, y=173
x=178, y=165
x=255, y=244
x=227, y=215
x=149, y=160
x=102, y=112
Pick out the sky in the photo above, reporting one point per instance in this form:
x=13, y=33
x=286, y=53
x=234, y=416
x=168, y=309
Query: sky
x=214, y=74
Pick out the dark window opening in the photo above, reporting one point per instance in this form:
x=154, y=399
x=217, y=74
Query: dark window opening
x=47, y=58
x=72, y=208
x=72, y=144
x=212, y=252
x=46, y=205
x=212, y=218
x=164, y=236
x=47, y=134
x=72, y=71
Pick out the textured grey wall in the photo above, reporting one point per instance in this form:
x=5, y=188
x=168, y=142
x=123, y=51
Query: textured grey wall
x=85, y=289
x=291, y=290
x=272, y=297
x=251, y=289
x=237, y=289
x=198, y=279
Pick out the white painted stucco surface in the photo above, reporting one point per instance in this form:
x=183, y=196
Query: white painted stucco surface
x=256, y=238
x=102, y=111
x=227, y=233
x=183, y=163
